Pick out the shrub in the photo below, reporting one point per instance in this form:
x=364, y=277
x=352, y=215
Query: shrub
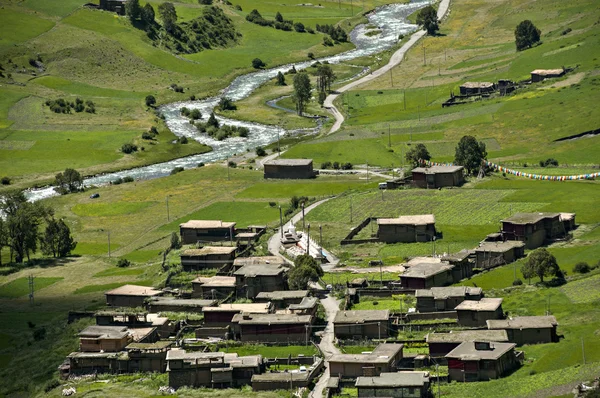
x=195, y=114
x=200, y=164
x=260, y=151
x=336, y=165
x=311, y=55
x=192, y=97
x=347, y=166
x=128, y=179
x=238, y=7
x=232, y=164
x=123, y=263
x=177, y=170
x=153, y=130
x=581, y=268
x=326, y=165
x=182, y=140
x=147, y=135
x=118, y=181
x=549, y=162
x=327, y=42
x=39, y=334
x=5, y=180
x=129, y=148
x=272, y=204
x=205, y=2
x=257, y=63
x=517, y=282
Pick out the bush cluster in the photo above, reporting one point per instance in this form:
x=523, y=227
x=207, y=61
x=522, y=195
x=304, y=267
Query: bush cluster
x=129, y=148
x=336, y=33
x=336, y=165
x=193, y=114
x=123, y=180
x=550, y=162
x=177, y=88
x=63, y=106
x=218, y=132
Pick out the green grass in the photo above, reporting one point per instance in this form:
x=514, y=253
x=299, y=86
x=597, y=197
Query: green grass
x=272, y=351
x=18, y=27
x=93, y=248
x=109, y=286
x=119, y=272
x=83, y=89
x=109, y=209
x=20, y=287
x=583, y=291
x=321, y=186
x=58, y=9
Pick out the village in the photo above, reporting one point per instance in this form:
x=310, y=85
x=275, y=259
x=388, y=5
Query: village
x=249, y=301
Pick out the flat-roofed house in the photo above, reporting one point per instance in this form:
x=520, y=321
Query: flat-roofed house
x=438, y=176
x=540, y=74
x=441, y=344
x=492, y=254
x=289, y=168
x=273, y=328
x=250, y=280
x=308, y=306
x=282, y=298
x=476, y=88
x=420, y=228
x=214, y=287
x=117, y=6
x=463, y=266
x=195, y=231
x=172, y=304
x=445, y=298
x=104, y=338
x=258, y=260
x=527, y=329
x=477, y=313
x=207, y=257
x=427, y=275
x=362, y=324
x=568, y=220
x=224, y=313
x=532, y=228
x=130, y=295
x=384, y=358
x=481, y=361
x=404, y=384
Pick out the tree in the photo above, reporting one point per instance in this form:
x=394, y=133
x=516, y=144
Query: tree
x=226, y=104
x=302, y=91
x=22, y=220
x=150, y=100
x=69, y=181
x=470, y=153
x=257, y=63
x=581, y=267
x=417, y=154
x=306, y=269
x=299, y=27
x=148, y=15
x=212, y=121
x=133, y=9
x=260, y=151
x=175, y=242
x=57, y=239
x=168, y=15
x=278, y=17
x=280, y=79
x=325, y=77
x=427, y=17
x=540, y=263
x=526, y=35
x=3, y=237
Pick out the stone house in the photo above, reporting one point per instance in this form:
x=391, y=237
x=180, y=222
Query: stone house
x=251, y=280
x=360, y=324
x=477, y=313
x=214, y=287
x=463, y=266
x=493, y=254
x=438, y=176
x=282, y=298
x=172, y=304
x=527, y=329
x=427, y=275
x=441, y=344
x=404, y=384
x=207, y=257
x=130, y=296
x=481, y=361
x=224, y=313
x=406, y=229
x=539, y=75
x=289, y=169
x=383, y=359
x=445, y=298
x=273, y=328
x=477, y=88
x=534, y=229
x=308, y=306
x=117, y=6
x=198, y=231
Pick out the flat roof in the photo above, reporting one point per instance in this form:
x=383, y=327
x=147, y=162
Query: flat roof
x=273, y=260
x=251, y=308
x=104, y=332
x=236, y=361
x=567, y=216
x=459, y=256
x=499, y=247
x=450, y=291
x=181, y=354
x=529, y=218
x=305, y=304
x=216, y=281
x=191, y=303
x=134, y=290
x=426, y=270
x=485, y=304
x=252, y=270
x=466, y=351
x=477, y=84
x=288, y=162
x=523, y=322
x=246, y=235
x=548, y=71
x=361, y=316
x=383, y=353
x=209, y=250
x=159, y=345
x=422, y=219
x=467, y=335
x=282, y=294
x=437, y=169
x=397, y=379
x=271, y=319
x=207, y=224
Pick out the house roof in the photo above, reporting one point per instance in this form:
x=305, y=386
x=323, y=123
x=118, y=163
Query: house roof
x=426, y=270
x=253, y=308
x=282, y=294
x=104, y=332
x=259, y=270
x=437, y=169
x=288, y=162
x=207, y=224
x=523, y=322
x=272, y=260
x=246, y=235
x=499, y=247
x=397, y=379
x=361, y=316
x=383, y=353
x=209, y=250
x=450, y=291
x=477, y=84
x=134, y=290
x=422, y=219
x=459, y=256
x=466, y=351
x=180, y=354
x=485, y=304
x=567, y=216
x=248, y=361
x=159, y=345
x=467, y=335
x=271, y=319
x=529, y=218
x=305, y=304
x=190, y=303
x=544, y=72
x=216, y=281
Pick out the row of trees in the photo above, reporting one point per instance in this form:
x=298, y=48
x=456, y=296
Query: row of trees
x=303, y=87
x=21, y=229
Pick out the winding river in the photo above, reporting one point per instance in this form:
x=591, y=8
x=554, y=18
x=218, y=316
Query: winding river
x=389, y=19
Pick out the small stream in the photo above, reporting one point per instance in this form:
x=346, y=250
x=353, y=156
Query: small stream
x=390, y=19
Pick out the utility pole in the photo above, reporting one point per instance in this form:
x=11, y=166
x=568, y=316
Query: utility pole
x=31, y=291
x=227, y=165
x=308, y=240
x=379, y=329
x=168, y=208
x=350, y=209
x=583, y=350
x=281, y=221
x=389, y=136
x=391, y=77
x=321, y=236
x=306, y=327
x=437, y=370
x=404, y=97
x=303, y=227
x=278, y=146
x=367, y=170
x=108, y=244
x=380, y=272
x=424, y=59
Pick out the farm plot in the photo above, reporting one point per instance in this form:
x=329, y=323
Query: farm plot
x=583, y=291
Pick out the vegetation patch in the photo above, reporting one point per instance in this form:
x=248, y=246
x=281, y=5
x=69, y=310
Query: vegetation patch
x=119, y=272
x=109, y=209
x=20, y=287
x=109, y=286
x=584, y=290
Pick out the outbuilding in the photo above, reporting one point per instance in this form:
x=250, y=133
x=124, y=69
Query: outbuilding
x=441, y=344
x=533, y=228
x=207, y=257
x=527, y=329
x=477, y=313
x=445, y=298
x=477, y=88
x=195, y=231
x=539, y=75
x=481, y=361
x=492, y=254
x=214, y=287
x=406, y=229
x=384, y=358
x=373, y=324
x=438, y=176
x=404, y=384
x=130, y=295
x=289, y=168
x=427, y=275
